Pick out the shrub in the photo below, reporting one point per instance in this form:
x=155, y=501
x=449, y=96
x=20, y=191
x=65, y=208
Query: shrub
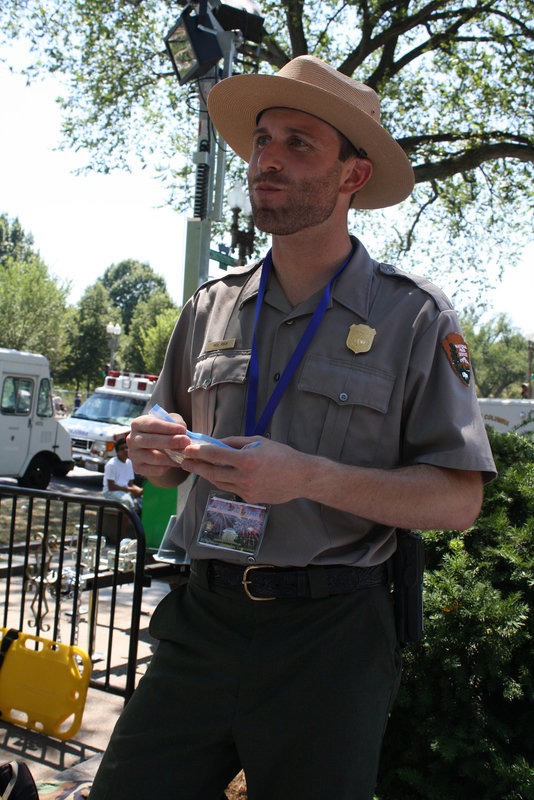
x=462, y=724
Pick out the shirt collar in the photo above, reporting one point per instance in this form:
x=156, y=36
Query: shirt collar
x=352, y=289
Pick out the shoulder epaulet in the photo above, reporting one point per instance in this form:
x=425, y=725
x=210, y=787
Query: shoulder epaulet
x=233, y=272
x=438, y=296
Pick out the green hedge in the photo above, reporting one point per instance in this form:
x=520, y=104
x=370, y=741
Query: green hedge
x=463, y=723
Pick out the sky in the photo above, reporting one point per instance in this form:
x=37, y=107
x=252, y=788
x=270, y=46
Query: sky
x=81, y=224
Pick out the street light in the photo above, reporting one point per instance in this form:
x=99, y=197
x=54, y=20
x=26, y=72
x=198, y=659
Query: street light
x=192, y=45
x=530, y=351
x=113, y=333
x=244, y=240
x=194, y=42
x=206, y=32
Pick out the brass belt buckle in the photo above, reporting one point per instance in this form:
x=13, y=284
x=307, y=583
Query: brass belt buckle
x=246, y=583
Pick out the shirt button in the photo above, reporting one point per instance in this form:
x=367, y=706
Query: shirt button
x=207, y=382
x=276, y=376
x=290, y=322
x=343, y=397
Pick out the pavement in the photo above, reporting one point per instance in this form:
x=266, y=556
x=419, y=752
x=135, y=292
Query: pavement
x=78, y=758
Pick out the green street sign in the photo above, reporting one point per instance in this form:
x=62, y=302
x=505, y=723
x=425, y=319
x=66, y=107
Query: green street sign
x=222, y=258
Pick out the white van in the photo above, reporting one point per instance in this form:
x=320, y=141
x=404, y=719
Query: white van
x=507, y=415
x=33, y=445
x=106, y=416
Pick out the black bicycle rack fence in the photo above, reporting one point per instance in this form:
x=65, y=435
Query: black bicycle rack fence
x=72, y=569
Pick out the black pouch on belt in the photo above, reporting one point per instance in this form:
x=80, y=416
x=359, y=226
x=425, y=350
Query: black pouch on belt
x=408, y=570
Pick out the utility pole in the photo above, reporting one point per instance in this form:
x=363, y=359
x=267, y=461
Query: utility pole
x=210, y=159
x=206, y=33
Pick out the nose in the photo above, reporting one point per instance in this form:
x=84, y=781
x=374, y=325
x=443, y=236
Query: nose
x=269, y=158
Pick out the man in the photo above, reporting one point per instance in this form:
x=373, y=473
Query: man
x=119, y=479
x=280, y=655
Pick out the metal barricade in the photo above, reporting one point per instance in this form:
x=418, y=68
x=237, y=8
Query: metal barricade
x=72, y=569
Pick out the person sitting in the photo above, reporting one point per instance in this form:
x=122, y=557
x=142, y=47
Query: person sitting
x=119, y=479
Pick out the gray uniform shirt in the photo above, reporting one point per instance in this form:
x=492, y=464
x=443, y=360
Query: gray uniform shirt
x=403, y=402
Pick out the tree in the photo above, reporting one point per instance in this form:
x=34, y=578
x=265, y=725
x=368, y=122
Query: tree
x=455, y=79
x=88, y=345
x=32, y=303
x=14, y=242
x=144, y=318
x=156, y=339
x=461, y=725
x=128, y=283
x=498, y=355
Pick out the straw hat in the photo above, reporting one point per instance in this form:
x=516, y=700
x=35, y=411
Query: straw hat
x=308, y=84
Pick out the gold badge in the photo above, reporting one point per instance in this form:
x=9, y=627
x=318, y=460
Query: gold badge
x=222, y=344
x=360, y=338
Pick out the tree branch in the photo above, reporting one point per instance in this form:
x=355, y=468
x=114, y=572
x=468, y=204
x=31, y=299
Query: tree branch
x=273, y=53
x=471, y=159
x=402, y=23
x=409, y=235
x=411, y=143
x=389, y=67
x=294, y=16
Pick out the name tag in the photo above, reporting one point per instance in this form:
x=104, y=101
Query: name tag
x=222, y=344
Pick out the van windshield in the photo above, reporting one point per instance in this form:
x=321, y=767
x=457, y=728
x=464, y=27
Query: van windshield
x=116, y=408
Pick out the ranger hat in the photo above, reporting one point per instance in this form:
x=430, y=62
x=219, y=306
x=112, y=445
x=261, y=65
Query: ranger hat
x=308, y=84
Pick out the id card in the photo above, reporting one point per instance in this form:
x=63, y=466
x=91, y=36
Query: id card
x=231, y=524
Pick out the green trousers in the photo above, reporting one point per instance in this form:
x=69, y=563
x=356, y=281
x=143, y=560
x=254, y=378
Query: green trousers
x=295, y=692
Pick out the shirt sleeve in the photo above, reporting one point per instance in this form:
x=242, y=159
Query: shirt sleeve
x=108, y=473
x=443, y=424
x=171, y=390
x=131, y=474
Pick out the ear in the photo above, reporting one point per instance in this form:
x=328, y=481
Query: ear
x=359, y=171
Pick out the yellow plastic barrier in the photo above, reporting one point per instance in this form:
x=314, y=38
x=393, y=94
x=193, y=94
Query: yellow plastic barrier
x=43, y=685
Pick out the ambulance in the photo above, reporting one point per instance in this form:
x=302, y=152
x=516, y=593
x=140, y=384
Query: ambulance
x=33, y=445
x=507, y=415
x=107, y=416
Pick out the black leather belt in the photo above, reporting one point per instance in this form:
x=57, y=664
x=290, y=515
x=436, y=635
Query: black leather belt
x=265, y=582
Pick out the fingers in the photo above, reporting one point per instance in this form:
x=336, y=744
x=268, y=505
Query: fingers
x=149, y=438
x=148, y=423
x=231, y=470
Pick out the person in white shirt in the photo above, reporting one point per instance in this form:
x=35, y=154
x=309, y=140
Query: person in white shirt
x=119, y=479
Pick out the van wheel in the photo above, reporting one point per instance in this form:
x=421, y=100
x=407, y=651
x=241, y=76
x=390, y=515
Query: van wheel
x=38, y=474
x=62, y=471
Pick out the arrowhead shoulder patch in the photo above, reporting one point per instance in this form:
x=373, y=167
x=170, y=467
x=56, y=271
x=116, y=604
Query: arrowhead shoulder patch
x=457, y=352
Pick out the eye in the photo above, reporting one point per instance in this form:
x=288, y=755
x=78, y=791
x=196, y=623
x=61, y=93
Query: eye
x=261, y=139
x=298, y=143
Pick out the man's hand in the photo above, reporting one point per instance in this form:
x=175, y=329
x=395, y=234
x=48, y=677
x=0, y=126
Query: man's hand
x=268, y=473
x=147, y=442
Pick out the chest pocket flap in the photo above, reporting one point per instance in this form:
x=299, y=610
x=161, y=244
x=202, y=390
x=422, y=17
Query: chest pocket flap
x=222, y=367
x=347, y=384
x=222, y=377
x=347, y=406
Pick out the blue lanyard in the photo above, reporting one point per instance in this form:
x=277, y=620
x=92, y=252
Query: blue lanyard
x=253, y=428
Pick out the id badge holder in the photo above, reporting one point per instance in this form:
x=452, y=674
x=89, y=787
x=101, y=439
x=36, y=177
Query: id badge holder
x=230, y=524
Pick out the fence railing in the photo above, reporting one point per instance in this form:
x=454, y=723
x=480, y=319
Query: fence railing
x=72, y=569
